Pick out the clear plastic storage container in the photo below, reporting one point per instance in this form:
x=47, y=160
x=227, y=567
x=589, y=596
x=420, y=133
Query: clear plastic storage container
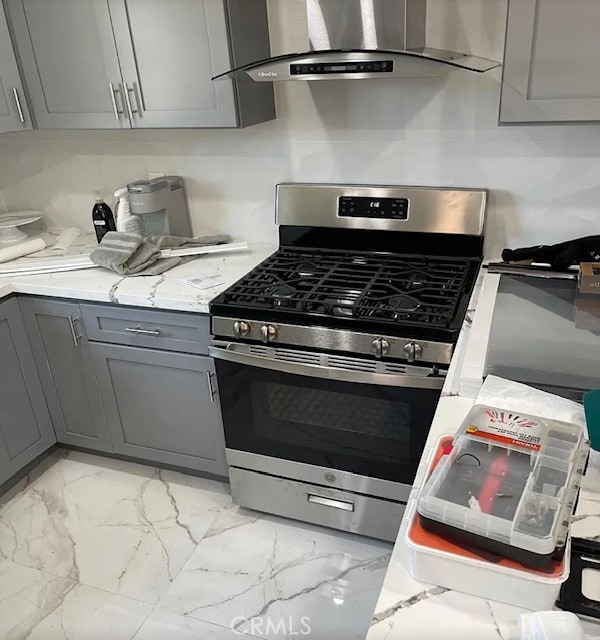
x=509, y=485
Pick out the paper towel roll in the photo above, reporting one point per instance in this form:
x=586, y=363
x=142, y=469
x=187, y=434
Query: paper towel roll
x=22, y=249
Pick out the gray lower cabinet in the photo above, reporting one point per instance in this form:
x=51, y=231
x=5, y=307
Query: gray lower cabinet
x=551, y=62
x=161, y=406
x=14, y=112
x=25, y=426
x=64, y=363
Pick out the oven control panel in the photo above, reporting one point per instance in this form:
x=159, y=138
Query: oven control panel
x=375, y=208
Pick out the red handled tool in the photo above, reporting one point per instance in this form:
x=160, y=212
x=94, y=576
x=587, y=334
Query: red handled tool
x=493, y=483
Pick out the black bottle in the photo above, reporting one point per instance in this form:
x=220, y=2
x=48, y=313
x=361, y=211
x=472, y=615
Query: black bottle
x=103, y=218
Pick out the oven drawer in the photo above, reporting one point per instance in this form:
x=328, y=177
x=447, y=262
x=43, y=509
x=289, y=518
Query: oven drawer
x=318, y=505
x=185, y=332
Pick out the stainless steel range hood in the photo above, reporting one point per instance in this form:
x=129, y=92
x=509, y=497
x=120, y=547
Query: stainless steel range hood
x=360, y=39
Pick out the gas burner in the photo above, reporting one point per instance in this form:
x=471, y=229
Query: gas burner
x=307, y=270
x=416, y=280
x=341, y=302
x=402, y=304
x=281, y=295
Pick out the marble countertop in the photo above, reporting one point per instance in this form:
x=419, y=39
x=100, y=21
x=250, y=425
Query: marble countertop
x=157, y=292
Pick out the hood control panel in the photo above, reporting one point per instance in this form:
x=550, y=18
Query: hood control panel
x=320, y=68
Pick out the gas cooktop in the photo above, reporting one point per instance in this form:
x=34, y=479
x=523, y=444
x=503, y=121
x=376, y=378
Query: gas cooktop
x=373, y=271
x=360, y=289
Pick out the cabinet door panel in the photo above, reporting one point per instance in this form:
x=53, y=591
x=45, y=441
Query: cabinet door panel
x=25, y=427
x=550, y=65
x=169, y=51
x=64, y=362
x=12, y=97
x=69, y=61
x=159, y=406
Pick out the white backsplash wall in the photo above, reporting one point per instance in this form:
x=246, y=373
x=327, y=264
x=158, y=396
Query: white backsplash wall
x=544, y=180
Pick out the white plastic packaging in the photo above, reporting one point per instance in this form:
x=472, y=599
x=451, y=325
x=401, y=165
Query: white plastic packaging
x=126, y=221
x=550, y=625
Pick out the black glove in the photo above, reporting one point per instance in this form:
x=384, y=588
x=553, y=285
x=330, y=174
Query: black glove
x=560, y=256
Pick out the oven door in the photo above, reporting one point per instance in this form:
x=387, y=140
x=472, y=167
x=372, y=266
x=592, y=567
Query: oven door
x=278, y=404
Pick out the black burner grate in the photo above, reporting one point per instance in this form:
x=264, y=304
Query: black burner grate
x=381, y=288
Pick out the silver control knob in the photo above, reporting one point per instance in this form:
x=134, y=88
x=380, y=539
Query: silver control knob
x=241, y=329
x=268, y=333
x=381, y=347
x=413, y=351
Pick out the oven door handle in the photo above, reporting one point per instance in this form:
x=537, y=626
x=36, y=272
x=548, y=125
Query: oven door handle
x=328, y=373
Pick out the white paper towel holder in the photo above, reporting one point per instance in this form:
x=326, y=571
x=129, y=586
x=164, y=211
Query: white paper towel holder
x=10, y=223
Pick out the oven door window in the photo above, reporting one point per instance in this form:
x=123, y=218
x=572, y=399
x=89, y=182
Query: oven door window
x=371, y=430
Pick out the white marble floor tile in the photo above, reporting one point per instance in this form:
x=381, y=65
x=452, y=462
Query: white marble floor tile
x=275, y=578
x=166, y=625
x=33, y=475
x=36, y=605
x=118, y=526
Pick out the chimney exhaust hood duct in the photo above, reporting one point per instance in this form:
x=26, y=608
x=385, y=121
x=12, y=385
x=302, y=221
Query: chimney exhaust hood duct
x=361, y=39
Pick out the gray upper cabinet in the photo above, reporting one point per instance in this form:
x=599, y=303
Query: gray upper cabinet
x=551, y=62
x=93, y=64
x=64, y=362
x=14, y=112
x=162, y=406
x=69, y=63
x=169, y=51
x=25, y=426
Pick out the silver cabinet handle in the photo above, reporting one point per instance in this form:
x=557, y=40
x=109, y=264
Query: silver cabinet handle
x=143, y=332
x=330, y=502
x=126, y=90
x=19, y=107
x=113, y=91
x=73, y=332
x=211, y=392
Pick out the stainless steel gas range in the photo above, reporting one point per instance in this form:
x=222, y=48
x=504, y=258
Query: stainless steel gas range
x=331, y=355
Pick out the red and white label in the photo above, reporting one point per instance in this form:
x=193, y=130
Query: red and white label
x=508, y=428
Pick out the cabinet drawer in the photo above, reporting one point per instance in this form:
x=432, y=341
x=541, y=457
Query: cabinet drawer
x=189, y=333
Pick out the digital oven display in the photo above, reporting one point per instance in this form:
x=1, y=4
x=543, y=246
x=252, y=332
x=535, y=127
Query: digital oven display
x=379, y=208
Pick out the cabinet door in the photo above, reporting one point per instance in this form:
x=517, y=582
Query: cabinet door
x=69, y=62
x=161, y=406
x=25, y=426
x=14, y=112
x=551, y=60
x=64, y=361
x=168, y=53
